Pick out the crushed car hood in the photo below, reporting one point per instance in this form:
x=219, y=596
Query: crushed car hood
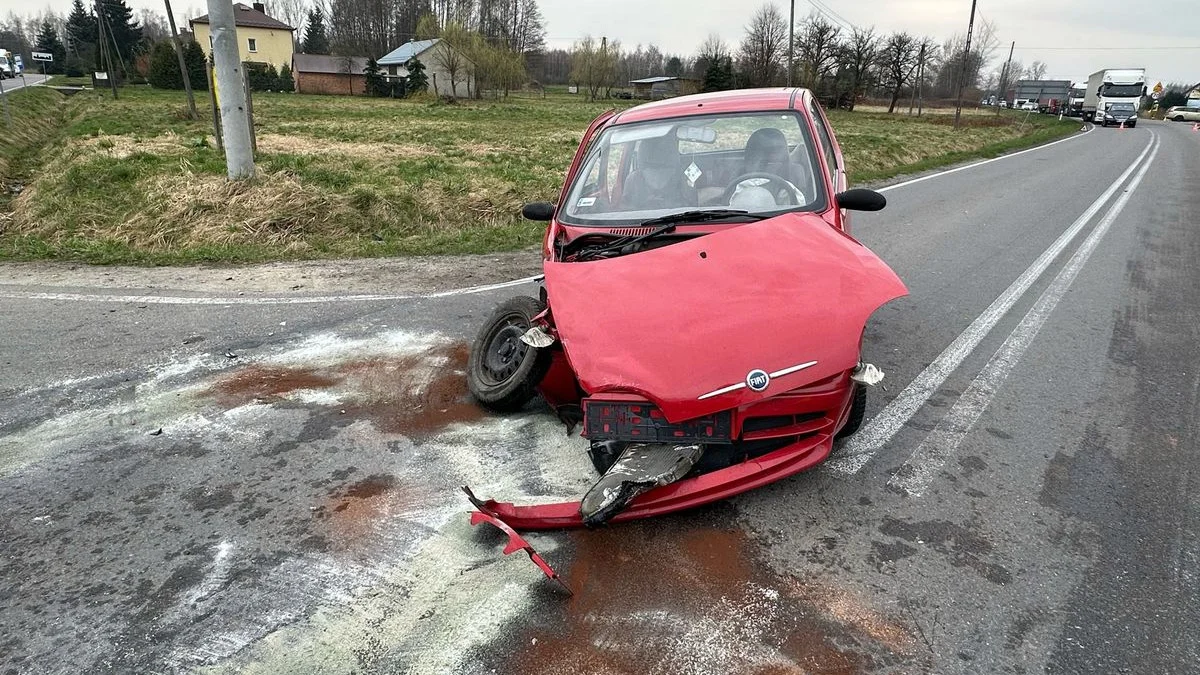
x=776, y=304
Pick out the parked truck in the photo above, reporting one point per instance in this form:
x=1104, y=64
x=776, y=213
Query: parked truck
x=1075, y=99
x=1048, y=94
x=1122, y=88
x=8, y=64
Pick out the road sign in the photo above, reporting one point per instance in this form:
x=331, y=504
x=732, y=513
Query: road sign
x=41, y=56
x=1158, y=88
x=1155, y=94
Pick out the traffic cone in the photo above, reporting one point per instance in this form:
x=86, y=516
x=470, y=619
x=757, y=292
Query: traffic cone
x=1196, y=127
x=1122, y=127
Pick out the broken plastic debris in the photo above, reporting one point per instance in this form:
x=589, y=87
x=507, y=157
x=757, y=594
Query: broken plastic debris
x=516, y=543
x=156, y=433
x=639, y=468
x=537, y=337
x=230, y=355
x=868, y=374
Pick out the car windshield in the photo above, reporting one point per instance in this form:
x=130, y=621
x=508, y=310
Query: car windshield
x=761, y=163
x=1078, y=93
x=1121, y=108
x=1122, y=90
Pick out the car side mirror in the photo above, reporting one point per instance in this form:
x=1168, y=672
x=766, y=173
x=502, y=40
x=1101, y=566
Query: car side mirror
x=860, y=199
x=538, y=211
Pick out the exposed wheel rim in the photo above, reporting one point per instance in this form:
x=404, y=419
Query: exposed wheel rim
x=504, y=352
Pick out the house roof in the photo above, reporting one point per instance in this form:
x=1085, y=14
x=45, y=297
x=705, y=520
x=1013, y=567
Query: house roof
x=323, y=63
x=657, y=79
x=400, y=55
x=247, y=16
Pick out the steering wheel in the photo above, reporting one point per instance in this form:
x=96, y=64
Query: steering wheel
x=779, y=183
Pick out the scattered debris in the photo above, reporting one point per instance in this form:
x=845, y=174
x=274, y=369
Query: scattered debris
x=193, y=339
x=156, y=433
x=230, y=355
x=868, y=374
x=517, y=543
x=640, y=468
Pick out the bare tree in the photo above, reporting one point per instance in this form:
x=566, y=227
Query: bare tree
x=818, y=46
x=291, y=12
x=859, y=58
x=450, y=55
x=594, y=65
x=899, y=61
x=763, y=46
x=1035, y=71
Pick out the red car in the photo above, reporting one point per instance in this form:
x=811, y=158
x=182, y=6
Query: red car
x=702, y=308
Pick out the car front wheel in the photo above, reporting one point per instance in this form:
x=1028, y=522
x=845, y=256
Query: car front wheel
x=858, y=410
x=503, y=372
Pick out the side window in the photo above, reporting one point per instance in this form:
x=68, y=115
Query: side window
x=252, y=44
x=826, y=139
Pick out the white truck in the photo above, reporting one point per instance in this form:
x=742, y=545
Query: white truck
x=1075, y=99
x=1114, y=92
x=8, y=64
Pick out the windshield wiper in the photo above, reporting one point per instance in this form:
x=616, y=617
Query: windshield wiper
x=701, y=215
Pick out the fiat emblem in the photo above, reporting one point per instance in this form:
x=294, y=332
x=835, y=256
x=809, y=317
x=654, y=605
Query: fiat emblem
x=757, y=380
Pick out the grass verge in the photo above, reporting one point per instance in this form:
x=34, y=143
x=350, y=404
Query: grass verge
x=134, y=181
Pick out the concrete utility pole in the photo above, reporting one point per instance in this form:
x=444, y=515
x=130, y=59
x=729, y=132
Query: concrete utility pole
x=235, y=118
x=792, y=42
x=4, y=97
x=962, y=73
x=187, y=80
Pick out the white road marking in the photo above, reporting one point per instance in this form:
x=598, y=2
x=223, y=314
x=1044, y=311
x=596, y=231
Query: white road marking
x=253, y=300
x=942, y=443
x=938, y=174
x=860, y=448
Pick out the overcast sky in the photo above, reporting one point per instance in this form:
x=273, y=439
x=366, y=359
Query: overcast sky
x=1073, y=37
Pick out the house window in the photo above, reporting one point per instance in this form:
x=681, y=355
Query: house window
x=252, y=44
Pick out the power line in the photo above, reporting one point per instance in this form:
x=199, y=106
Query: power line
x=1108, y=49
x=829, y=10
x=841, y=23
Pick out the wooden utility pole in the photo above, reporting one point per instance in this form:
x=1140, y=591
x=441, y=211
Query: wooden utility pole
x=231, y=93
x=962, y=73
x=105, y=54
x=187, y=80
x=792, y=43
x=1000, y=95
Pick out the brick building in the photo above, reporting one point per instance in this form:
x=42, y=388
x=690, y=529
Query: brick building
x=336, y=75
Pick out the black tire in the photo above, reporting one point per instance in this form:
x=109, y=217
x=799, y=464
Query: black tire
x=503, y=372
x=858, y=410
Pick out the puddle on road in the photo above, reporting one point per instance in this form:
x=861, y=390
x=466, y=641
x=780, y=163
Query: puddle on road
x=649, y=598
x=415, y=394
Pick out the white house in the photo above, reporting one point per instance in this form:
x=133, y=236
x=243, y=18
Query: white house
x=435, y=55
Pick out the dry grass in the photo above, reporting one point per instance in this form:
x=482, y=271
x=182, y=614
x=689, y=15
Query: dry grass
x=131, y=181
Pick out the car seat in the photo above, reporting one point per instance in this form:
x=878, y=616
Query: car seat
x=658, y=181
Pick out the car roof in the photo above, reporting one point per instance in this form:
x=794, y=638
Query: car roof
x=717, y=102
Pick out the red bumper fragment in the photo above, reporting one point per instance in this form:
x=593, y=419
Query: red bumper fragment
x=685, y=494
x=516, y=543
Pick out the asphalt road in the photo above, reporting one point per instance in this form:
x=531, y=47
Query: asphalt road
x=1020, y=501
x=28, y=80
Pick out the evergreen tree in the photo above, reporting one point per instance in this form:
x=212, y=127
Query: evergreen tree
x=48, y=41
x=81, y=36
x=377, y=85
x=121, y=30
x=197, y=65
x=286, y=82
x=164, y=67
x=674, y=67
x=418, y=81
x=719, y=75
x=316, y=40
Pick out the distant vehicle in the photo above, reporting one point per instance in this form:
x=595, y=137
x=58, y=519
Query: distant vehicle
x=8, y=65
x=1048, y=94
x=1075, y=99
x=1106, y=88
x=1181, y=113
x=1118, y=114
x=1030, y=105
x=1003, y=104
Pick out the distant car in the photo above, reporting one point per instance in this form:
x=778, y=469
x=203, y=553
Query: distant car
x=1119, y=114
x=1029, y=105
x=1003, y=104
x=1181, y=113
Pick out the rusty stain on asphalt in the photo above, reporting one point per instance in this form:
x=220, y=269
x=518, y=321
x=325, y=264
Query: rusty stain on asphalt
x=638, y=588
x=412, y=394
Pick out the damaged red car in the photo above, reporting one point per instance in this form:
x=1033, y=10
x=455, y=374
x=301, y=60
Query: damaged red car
x=702, y=306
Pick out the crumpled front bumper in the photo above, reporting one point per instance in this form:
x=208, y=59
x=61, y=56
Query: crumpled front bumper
x=685, y=494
